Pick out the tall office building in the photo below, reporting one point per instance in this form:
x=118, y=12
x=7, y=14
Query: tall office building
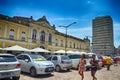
x=102, y=31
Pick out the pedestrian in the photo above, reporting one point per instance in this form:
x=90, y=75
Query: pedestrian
x=94, y=66
x=108, y=62
x=115, y=60
x=81, y=66
x=119, y=60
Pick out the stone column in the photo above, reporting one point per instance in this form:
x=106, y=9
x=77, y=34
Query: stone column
x=18, y=35
x=5, y=32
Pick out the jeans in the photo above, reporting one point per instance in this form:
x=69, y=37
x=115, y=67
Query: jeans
x=108, y=66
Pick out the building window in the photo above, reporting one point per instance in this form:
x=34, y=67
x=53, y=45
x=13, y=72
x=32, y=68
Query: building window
x=56, y=42
x=61, y=43
x=42, y=38
x=70, y=44
x=34, y=34
x=23, y=36
x=50, y=38
x=74, y=45
x=11, y=34
x=80, y=46
x=0, y=31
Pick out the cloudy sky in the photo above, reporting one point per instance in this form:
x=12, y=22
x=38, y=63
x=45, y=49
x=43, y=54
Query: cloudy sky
x=64, y=12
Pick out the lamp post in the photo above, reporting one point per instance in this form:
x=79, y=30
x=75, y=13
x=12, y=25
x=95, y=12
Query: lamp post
x=66, y=33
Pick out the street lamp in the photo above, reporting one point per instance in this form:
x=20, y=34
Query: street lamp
x=66, y=33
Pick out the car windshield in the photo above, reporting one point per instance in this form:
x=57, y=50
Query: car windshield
x=65, y=58
x=37, y=58
x=7, y=59
x=74, y=56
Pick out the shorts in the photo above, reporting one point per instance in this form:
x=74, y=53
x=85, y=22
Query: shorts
x=93, y=68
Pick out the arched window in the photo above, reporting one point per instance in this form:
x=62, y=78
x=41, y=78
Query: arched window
x=11, y=34
x=23, y=36
x=0, y=31
x=70, y=44
x=74, y=45
x=56, y=42
x=61, y=43
x=34, y=34
x=80, y=46
x=50, y=38
x=42, y=37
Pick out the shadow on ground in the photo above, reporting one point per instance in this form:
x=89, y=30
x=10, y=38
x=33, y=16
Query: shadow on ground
x=38, y=76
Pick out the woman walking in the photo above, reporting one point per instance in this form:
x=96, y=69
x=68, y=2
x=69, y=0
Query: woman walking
x=94, y=66
x=81, y=66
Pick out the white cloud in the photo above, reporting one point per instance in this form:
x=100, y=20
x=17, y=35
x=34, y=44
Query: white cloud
x=77, y=32
x=63, y=19
x=90, y=2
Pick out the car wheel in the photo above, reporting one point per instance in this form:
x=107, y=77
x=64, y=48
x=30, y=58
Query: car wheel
x=33, y=72
x=68, y=69
x=16, y=78
x=58, y=68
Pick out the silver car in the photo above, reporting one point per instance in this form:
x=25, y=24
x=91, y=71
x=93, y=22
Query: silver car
x=9, y=67
x=75, y=60
x=61, y=62
x=35, y=64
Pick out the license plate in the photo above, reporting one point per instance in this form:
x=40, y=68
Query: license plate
x=50, y=69
x=5, y=74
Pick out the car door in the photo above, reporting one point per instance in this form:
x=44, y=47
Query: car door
x=21, y=60
x=55, y=60
x=27, y=63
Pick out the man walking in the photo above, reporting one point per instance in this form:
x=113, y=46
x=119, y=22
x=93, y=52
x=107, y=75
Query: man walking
x=108, y=62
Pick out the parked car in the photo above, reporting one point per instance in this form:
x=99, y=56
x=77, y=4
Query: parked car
x=9, y=67
x=88, y=58
x=35, y=64
x=102, y=59
x=75, y=59
x=61, y=62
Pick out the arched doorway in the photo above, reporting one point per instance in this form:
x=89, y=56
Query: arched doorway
x=42, y=47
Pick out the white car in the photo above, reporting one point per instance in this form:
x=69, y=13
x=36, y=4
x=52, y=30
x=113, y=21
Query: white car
x=35, y=64
x=9, y=67
x=61, y=62
x=88, y=58
x=75, y=59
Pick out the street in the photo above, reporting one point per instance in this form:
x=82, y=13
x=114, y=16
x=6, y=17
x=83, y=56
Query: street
x=102, y=74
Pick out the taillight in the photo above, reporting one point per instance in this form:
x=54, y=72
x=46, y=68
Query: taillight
x=62, y=62
x=18, y=65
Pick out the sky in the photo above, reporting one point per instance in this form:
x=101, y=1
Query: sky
x=64, y=12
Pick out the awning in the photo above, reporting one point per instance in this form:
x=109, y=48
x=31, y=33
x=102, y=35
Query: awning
x=15, y=48
x=39, y=50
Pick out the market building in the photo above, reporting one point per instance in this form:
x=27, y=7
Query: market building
x=30, y=33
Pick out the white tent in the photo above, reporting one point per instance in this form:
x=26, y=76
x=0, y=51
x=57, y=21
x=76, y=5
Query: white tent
x=91, y=53
x=70, y=52
x=83, y=52
x=15, y=48
x=77, y=52
x=39, y=50
x=60, y=51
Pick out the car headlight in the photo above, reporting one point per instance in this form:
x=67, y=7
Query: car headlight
x=41, y=65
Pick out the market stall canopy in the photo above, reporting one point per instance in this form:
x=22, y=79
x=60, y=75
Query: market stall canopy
x=91, y=53
x=60, y=51
x=15, y=48
x=77, y=52
x=39, y=50
x=83, y=52
x=70, y=52
x=0, y=48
